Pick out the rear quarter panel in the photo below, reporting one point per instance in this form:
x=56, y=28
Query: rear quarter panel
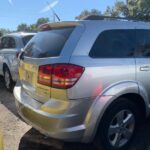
x=99, y=73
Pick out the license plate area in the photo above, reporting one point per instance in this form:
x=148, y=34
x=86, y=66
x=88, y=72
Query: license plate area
x=29, y=76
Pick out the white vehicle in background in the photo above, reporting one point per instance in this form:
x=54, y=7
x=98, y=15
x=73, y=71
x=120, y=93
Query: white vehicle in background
x=10, y=46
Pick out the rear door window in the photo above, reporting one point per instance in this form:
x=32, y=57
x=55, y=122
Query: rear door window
x=12, y=43
x=143, y=43
x=114, y=44
x=48, y=43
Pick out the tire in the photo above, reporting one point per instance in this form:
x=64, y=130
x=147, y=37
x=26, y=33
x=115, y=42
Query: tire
x=118, y=125
x=9, y=83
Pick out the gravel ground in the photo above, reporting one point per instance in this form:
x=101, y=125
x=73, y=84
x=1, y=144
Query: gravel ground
x=20, y=136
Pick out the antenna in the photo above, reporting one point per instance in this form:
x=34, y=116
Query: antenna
x=11, y=2
x=50, y=7
x=53, y=11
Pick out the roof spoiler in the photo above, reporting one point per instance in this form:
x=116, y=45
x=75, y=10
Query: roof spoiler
x=57, y=25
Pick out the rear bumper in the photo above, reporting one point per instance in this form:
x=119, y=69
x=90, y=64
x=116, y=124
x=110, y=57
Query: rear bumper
x=68, y=126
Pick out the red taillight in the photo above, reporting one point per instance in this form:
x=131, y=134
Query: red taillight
x=45, y=75
x=66, y=75
x=61, y=76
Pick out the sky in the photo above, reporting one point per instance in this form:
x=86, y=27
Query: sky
x=28, y=11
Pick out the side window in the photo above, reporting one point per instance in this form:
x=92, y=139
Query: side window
x=143, y=42
x=12, y=43
x=114, y=44
x=8, y=43
x=4, y=42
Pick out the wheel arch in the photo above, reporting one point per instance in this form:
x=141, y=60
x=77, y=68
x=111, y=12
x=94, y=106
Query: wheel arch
x=129, y=90
x=139, y=101
x=5, y=65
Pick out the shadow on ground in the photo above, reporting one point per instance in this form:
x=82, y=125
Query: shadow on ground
x=34, y=140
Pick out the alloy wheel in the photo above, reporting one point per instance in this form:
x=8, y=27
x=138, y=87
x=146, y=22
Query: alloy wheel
x=121, y=128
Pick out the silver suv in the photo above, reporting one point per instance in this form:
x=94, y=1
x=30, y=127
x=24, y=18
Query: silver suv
x=86, y=81
x=10, y=46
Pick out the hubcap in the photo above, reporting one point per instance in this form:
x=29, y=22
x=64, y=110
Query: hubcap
x=121, y=128
x=7, y=79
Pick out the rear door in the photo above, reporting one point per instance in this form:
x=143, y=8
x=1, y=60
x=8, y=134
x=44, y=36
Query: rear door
x=45, y=48
x=143, y=59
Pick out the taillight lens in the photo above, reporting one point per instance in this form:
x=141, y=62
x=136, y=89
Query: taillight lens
x=62, y=76
x=45, y=75
x=66, y=75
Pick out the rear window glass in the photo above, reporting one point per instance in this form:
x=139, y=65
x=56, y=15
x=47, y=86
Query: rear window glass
x=26, y=39
x=48, y=43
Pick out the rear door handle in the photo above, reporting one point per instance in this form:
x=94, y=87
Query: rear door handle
x=145, y=68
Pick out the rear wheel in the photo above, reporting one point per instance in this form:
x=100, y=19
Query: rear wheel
x=9, y=84
x=118, y=125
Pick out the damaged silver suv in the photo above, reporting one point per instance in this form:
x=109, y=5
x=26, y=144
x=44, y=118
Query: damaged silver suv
x=86, y=80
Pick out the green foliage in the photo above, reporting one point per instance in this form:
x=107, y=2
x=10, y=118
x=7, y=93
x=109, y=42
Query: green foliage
x=42, y=21
x=119, y=9
x=138, y=9
x=86, y=13
x=33, y=27
x=23, y=27
x=4, y=31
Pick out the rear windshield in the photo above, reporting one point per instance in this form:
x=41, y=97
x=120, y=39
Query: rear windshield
x=48, y=43
x=26, y=39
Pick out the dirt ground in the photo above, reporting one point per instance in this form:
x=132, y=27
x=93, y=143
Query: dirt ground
x=20, y=136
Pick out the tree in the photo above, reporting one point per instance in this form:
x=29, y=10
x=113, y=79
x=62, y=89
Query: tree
x=23, y=27
x=42, y=21
x=33, y=27
x=119, y=9
x=4, y=31
x=86, y=13
x=138, y=9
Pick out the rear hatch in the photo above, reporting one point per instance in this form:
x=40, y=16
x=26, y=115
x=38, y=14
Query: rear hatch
x=46, y=47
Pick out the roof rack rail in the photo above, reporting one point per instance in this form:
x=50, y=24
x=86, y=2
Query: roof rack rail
x=98, y=17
